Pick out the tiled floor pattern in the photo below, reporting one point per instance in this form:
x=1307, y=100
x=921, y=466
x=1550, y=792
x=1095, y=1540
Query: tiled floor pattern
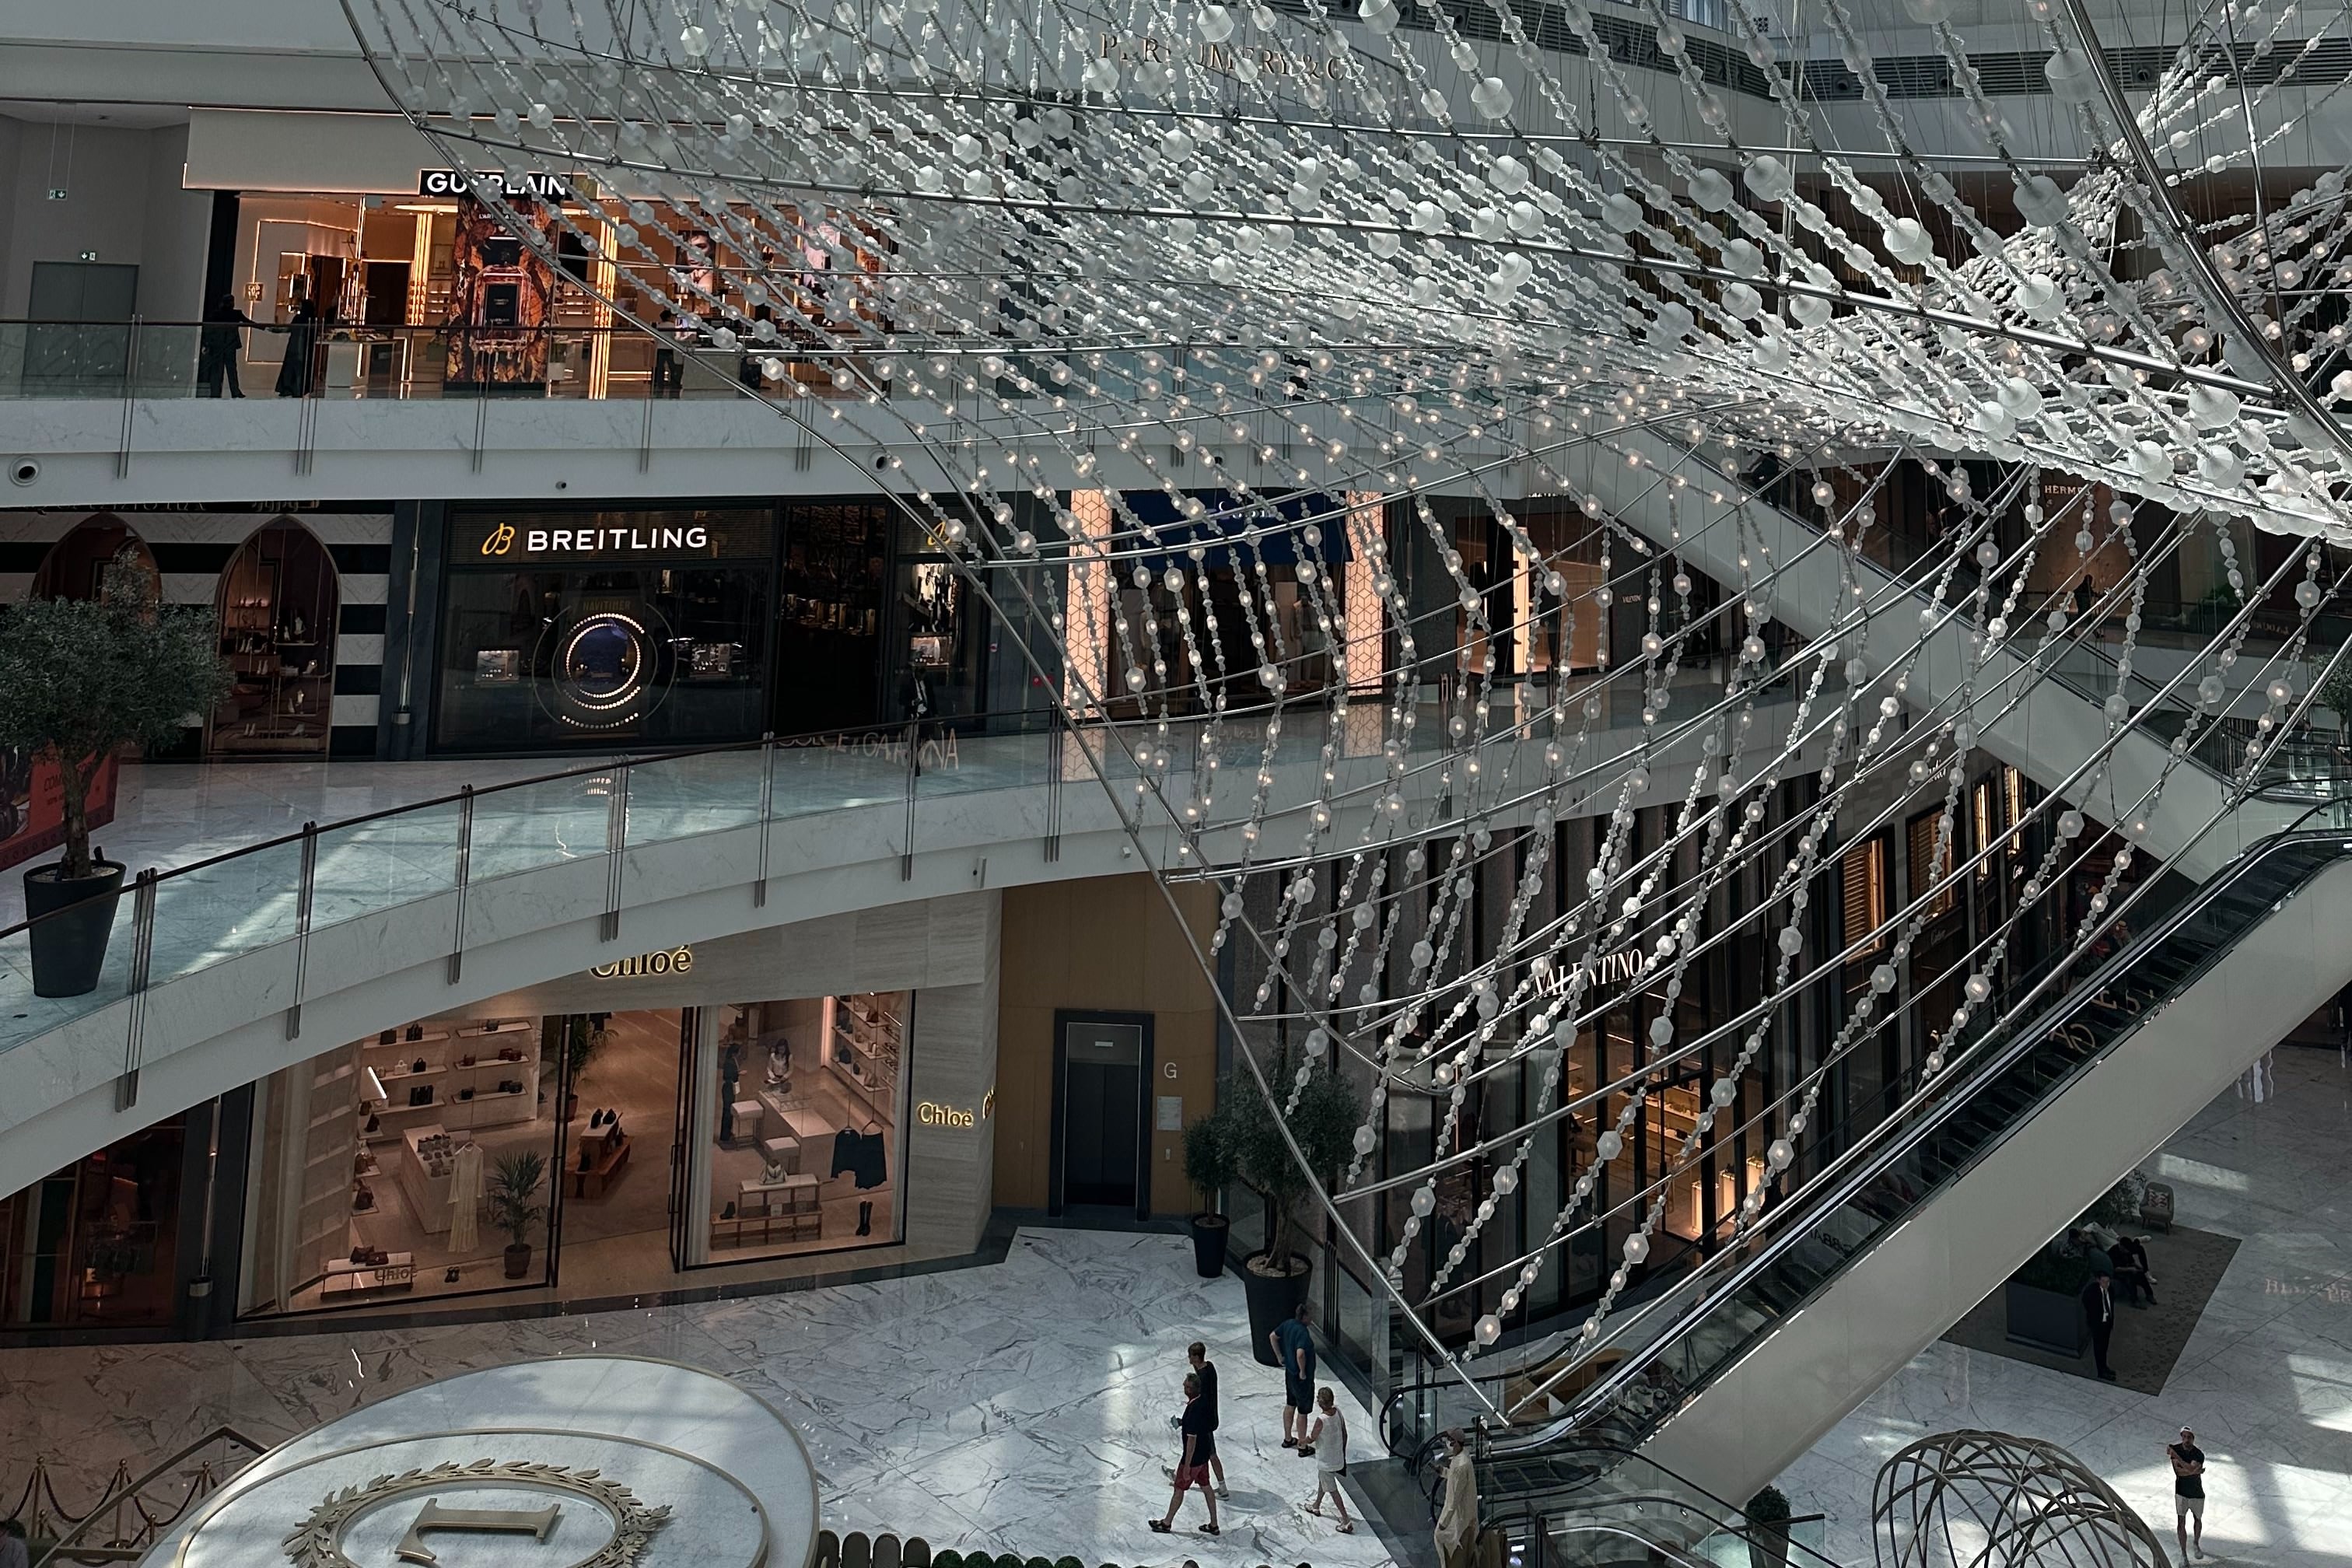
x=1022, y=1406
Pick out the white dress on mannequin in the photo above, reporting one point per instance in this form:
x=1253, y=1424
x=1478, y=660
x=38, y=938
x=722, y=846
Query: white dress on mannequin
x=465, y=1200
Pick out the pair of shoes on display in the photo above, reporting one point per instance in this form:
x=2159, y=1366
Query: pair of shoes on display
x=596, y=1119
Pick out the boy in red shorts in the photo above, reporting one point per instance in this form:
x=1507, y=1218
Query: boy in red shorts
x=1197, y=1425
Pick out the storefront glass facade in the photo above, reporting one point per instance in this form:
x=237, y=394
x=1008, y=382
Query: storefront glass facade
x=456, y=1155
x=588, y=629
x=96, y=1244
x=811, y=1107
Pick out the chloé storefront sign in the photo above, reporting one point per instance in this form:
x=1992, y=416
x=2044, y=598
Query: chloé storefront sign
x=666, y=960
x=931, y=1113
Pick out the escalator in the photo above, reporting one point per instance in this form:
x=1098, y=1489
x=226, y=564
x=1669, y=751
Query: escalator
x=1731, y=1373
x=1628, y=1509
x=2047, y=737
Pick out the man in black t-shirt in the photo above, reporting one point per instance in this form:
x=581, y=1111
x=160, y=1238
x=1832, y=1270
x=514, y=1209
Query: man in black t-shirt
x=2188, y=1493
x=1197, y=1431
x=1206, y=1371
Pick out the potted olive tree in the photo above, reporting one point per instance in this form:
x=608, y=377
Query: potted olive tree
x=515, y=1207
x=79, y=679
x=1209, y=1167
x=1323, y=1125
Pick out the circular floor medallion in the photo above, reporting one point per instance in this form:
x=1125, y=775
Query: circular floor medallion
x=494, y=1499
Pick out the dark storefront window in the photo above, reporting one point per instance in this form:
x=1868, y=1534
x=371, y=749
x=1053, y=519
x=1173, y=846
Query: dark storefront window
x=588, y=628
x=829, y=616
x=97, y=1243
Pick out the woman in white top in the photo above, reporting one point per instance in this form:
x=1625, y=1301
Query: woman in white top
x=1328, y=1445
x=1458, y=1522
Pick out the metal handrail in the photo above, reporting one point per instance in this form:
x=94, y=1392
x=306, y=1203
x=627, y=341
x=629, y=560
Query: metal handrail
x=64, y=1548
x=895, y=728
x=1939, y=1109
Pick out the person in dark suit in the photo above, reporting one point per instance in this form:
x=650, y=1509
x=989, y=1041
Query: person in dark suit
x=2132, y=1275
x=2098, y=1299
x=219, y=341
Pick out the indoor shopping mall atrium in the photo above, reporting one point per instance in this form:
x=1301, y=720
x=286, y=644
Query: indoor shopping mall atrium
x=1176, y=783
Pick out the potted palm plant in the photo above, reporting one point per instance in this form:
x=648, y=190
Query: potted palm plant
x=1209, y=1167
x=514, y=1205
x=1323, y=1125
x=79, y=679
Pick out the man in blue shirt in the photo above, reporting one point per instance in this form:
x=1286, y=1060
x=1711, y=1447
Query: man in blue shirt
x=1294, y=1347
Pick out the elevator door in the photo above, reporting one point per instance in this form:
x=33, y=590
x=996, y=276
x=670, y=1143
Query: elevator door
x=1102, y=1113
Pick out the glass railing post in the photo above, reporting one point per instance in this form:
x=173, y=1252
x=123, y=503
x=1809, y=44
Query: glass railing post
x=464, y=879
x=303, y=906
x=914, y=758
x=616, y=840
x=130, y=401
x=143, y=953
x=1055, y=748
x=767, y=814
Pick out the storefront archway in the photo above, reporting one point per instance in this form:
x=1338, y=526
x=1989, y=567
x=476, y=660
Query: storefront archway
x=279, y=597
x=76, y=564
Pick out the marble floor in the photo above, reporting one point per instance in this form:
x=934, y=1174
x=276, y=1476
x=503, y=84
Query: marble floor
x=2265, y=1379
x=1022, y=1406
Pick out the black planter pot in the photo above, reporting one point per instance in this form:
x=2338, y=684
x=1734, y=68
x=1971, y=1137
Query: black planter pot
x=1273, y=1300
x=69, y=948
x=2048, y=1321
x=1768, y=1546
x=1210, y=1232
x=517, y=1260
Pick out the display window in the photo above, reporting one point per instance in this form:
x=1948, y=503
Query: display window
x=938, y=634
x=280, y=600
x=75, y=566
x=810, y=1102
x=1238, y=586
x=376, y=1164
x=585, y=629
x=457, y=1155
x=96, y=1243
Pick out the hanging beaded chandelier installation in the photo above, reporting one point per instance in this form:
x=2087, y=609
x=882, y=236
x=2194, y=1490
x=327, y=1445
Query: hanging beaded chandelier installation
x=1135, y=305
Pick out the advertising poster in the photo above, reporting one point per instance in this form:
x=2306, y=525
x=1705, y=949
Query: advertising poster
x=33, y=806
